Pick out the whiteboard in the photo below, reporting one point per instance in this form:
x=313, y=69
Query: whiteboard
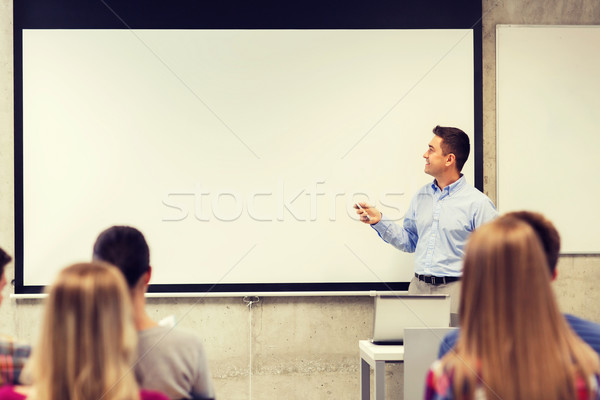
x=238, y=153
x=547, y=127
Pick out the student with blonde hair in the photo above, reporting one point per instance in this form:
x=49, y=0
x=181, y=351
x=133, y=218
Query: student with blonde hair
x=513, y=343
x=88, y=340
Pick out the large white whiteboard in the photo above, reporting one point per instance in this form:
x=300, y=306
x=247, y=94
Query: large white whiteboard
x=238, y=153
x=547, y=87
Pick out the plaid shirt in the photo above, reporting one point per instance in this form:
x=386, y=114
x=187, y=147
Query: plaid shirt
x=438, y=386
x=13, y=356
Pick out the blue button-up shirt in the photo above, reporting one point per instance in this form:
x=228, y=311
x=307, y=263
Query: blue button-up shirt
x=437, y=225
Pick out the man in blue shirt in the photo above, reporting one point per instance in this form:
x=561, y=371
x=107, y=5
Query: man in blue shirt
x=439, y=220
x=588, y=331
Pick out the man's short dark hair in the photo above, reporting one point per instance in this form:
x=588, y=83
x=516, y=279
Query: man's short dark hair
x=126, y=248
x=4, y=259
x=546, y=232
x=454, y=141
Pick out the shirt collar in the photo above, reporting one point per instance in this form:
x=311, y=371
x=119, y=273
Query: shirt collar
x=453, y=187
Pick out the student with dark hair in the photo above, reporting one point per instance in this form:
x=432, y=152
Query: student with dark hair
x=13, y=354
x=588, y=331
x=4, y=260
x=126, y=248
x=170, y=360
x=513, y=341
x=440, y=218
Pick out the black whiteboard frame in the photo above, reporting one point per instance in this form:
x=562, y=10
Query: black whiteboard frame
x=236, y=14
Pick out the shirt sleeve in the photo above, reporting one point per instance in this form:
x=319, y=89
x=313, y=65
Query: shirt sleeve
x=403, y=237
x=152, y=395
x=486, y=212
x=429, y=390
x=203, y=386
x=438, y=385
x=448, y=343
x=8, y=393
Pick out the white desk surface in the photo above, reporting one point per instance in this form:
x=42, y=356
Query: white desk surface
x=380, y=352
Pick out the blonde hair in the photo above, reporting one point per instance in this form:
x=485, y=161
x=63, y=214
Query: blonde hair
x=514, y=343
x=88, y=338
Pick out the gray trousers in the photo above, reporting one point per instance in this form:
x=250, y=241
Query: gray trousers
x=453, y=289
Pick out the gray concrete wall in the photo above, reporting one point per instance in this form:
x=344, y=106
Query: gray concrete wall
x=301, y=347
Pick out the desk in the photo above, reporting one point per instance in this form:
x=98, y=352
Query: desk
x=372, y=355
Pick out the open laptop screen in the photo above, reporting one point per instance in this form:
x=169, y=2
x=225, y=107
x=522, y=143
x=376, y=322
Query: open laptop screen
x=394, y=313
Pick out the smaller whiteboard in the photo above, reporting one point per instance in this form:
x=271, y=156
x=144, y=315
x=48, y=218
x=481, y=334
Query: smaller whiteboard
x=548, y=138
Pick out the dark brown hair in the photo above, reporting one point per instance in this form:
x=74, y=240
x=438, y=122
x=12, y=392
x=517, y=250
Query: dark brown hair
x=546, y=232
x=4, y=259
x=124, y=247
x=456, y=142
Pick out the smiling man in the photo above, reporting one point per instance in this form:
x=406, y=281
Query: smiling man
x=439, y=220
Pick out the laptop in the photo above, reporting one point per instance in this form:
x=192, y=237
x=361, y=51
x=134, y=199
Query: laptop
x=393, y=313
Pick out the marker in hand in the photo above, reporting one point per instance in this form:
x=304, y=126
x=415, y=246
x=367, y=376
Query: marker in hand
x=364, y=211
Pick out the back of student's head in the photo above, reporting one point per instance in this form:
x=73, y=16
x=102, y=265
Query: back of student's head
x=504, y=265
x=88, y=338
x=4, y=260
x=454, y=141
x=546, y=232
x=512, y=332
x=126, y=248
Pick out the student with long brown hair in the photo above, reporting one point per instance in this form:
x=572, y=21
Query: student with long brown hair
x=87, y=342
x=514, y=343
x=549, y=236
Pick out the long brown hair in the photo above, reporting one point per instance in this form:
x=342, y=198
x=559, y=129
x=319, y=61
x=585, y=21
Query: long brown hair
x=514, y=342
x=87, y=339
